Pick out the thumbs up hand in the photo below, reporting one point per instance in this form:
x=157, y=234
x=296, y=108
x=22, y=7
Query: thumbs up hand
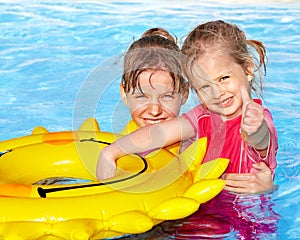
x=254, y=128
x=252, y=113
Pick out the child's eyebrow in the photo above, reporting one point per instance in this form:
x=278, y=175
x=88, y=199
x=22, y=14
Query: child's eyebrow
x=204, y=82
x=173, y=91
x=137, y=93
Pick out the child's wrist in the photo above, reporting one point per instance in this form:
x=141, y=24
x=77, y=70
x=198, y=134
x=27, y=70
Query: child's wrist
x=264, y=143
x=260, y=139
x=110, y=153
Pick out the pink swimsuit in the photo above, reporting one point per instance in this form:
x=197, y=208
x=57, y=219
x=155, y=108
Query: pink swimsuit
x=224, y=140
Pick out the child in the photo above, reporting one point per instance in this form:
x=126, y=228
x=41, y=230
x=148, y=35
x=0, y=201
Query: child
x=153, y=86
x=221, y=69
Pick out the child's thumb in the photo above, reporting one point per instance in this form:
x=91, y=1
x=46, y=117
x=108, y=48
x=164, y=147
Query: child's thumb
x=245, y=95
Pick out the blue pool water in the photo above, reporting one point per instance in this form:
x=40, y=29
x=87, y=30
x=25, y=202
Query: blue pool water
x=60, y=62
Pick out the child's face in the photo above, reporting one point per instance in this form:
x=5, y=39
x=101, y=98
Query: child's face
x=219, y=86
x=157, y=102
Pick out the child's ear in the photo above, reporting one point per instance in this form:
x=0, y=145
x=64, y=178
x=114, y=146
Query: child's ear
x=185, y=94
x=250, y=77
x=249, y=71
x=123, y=94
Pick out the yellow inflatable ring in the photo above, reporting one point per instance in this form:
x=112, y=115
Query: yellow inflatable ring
x=145, y=191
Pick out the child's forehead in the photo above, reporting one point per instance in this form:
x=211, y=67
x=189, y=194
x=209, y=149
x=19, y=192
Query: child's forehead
x=209, y=50
x=153, y=89
x=155, y=76
x=152, y=80
x=152, y=77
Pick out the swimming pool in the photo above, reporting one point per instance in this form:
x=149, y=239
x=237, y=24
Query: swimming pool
x=52, y=53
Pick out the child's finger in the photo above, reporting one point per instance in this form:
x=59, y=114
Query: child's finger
x=261, y=166
x=245, y=96
x=246, y=99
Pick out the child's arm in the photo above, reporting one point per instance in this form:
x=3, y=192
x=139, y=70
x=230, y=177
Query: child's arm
x=253, y=126
x=149, y=137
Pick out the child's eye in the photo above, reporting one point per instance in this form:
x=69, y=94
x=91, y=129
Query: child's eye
x=168, y=96
x=204, y=87
x=224, y=78
x=139, y=96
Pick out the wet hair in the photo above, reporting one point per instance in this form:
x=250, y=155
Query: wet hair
x=162, y=33
x=229, y=40
x=156, y=50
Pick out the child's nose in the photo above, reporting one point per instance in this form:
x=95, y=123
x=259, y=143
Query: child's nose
x=217, y=90
x=155, y=108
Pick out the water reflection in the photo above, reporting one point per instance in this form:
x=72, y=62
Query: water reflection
x=228, y=216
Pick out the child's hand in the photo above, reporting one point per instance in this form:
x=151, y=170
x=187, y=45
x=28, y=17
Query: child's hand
x=106, y=167
x=252, y=113
x=253, y=126
x=258, y=182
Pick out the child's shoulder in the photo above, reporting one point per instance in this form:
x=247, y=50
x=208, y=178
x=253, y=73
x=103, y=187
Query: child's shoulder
x=200, y=109
x=197, y=112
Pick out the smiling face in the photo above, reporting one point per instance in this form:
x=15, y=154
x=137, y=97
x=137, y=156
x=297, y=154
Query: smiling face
x=158, y=101
x=219, y=82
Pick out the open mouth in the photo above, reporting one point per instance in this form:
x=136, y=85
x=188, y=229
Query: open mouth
x=153, y=121
x=227, y=102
